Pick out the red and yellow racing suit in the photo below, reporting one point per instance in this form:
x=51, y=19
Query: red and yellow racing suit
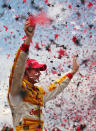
x=27, y=109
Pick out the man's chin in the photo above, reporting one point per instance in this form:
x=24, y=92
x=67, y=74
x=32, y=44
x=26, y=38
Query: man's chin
x=36, y=81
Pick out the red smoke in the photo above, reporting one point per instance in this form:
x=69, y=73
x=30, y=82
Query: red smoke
x=40, y=19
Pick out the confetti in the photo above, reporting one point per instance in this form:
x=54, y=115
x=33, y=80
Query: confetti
x=69, y=6
x=61, y=53
x=71, y=30
x=37, y=46
x=24, y=1
x=24, y=37
x=56, y=36
x=76, y=41
x=46, y=1
x=6, y=28
x=90, y=5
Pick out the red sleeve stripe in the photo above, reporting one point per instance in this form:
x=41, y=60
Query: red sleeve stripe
x=69, y=75
x=25, y=47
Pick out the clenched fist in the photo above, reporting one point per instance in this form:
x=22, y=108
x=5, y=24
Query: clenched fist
x=29, y=29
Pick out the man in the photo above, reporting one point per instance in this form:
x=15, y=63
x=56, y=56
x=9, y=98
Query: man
x=25, y=99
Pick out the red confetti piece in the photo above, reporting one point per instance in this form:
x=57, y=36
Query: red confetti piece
x=24, y=37
x=24, y=1
x=90, y=36
x=65, y=120
x=56, y=36
x=55, y=57
x=54, y=71
x=37, y=46
x=77, y=118
x=90, y=5
x=46, y=1
x=84, y=31
x=5, y=39
x=81, y=25
x=62, y=52
x=69, y=6
x=93, y=125
x=62, y=124
x=74, y=39
x=6, y=28
x=78, y=128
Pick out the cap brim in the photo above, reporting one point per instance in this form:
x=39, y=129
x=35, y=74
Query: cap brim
x=42, y=67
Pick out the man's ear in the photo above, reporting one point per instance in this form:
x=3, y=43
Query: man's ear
x=26, y=72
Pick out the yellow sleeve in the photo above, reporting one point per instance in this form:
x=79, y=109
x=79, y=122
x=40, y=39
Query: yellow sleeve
x=18, y=69
x=57, y=87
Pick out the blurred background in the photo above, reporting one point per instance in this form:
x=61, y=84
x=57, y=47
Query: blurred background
x=71, y=32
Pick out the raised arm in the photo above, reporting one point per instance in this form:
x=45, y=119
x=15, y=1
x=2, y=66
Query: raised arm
x=58, y=86
x=18, y=68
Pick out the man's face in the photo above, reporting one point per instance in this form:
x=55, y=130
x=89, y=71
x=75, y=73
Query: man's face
x=34, y=75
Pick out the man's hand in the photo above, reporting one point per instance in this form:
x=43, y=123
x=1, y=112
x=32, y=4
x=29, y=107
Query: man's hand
x=75, y=65
x=27, y=29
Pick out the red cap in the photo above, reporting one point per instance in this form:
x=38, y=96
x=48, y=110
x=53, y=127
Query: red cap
x=32, y=63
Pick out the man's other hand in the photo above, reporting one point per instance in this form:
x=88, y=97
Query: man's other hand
x=75, y=65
